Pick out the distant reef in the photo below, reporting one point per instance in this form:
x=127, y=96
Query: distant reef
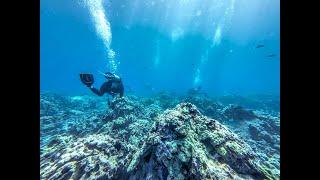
x=160, y=137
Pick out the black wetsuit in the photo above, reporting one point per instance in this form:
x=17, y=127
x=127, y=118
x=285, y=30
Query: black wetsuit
x=112, y=87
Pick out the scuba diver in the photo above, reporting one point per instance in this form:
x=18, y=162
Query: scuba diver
x=112, y=86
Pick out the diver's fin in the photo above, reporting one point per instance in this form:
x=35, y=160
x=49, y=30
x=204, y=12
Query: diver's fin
x=86, y=79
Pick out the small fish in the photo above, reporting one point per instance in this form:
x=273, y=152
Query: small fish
x=260, y=46
x=272, y=55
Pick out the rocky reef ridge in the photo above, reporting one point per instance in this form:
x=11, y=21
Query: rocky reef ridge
x=141, y=140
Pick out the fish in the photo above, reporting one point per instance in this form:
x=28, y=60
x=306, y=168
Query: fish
x=260, y=46
x=272, y=55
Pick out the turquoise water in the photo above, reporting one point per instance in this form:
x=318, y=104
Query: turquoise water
x=162, y=45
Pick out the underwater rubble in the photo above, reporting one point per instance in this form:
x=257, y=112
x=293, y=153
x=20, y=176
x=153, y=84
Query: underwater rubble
x=160, y=137
x=69, y=115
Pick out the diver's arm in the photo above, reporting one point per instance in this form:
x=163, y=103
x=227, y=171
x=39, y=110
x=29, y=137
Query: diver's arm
x=96, y=91
x=102, y=90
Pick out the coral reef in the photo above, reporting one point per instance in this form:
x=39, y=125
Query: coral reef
x=256, y=119
x=140, y=138
x=235, y=112
x=205, y=104
x=183, y=144
x=69, y=115
x=267, y=103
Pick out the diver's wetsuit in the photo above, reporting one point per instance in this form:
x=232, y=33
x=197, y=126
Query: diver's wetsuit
x=113, y=86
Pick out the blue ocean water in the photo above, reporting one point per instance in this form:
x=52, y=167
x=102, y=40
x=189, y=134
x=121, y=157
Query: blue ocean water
x=162, y=45
x=165, y=126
